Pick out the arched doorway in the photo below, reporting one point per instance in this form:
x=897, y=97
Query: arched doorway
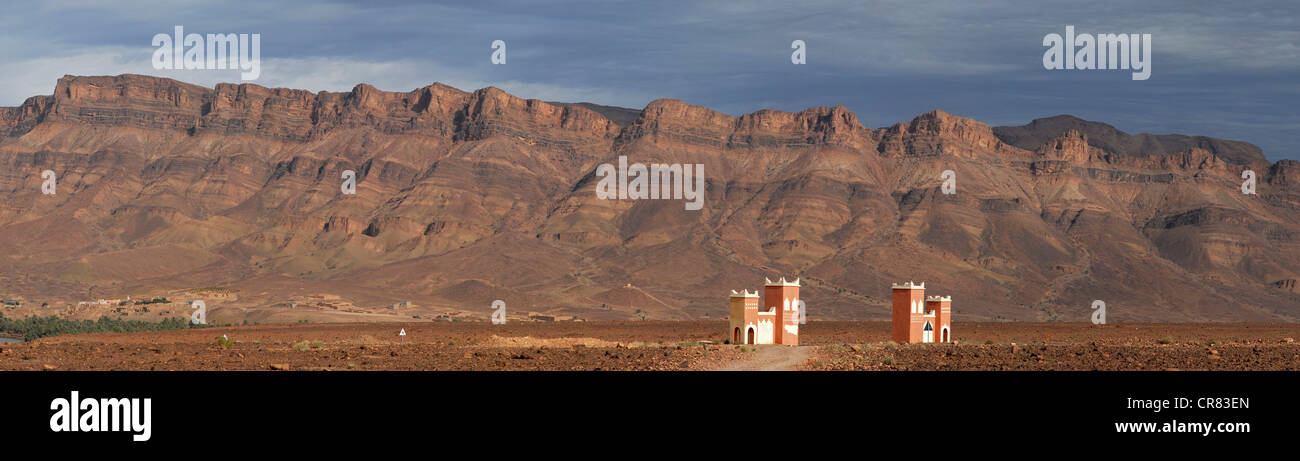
x=735, y=336
x=944, y=335
x=927, y=333
x=750, y=336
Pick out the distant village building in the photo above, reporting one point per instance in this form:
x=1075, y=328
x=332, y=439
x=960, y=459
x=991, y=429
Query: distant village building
x=920, y=319
x=776, y=323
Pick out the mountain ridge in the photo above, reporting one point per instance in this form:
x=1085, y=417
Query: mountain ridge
x=1115, y=141
x=165, y=186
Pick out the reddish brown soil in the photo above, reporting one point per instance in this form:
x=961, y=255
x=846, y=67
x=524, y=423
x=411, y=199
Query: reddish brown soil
x=651, y=345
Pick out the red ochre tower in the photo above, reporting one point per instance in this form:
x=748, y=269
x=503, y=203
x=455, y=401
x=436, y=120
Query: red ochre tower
x=782, y=299
x=918, y=319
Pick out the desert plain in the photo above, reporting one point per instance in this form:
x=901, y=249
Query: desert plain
x=665, y=345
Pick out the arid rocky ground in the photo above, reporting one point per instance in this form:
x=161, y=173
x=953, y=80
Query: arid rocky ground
x=665, y=345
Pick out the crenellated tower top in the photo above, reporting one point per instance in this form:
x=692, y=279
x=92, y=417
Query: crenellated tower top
x=781, y=283
x=743, y=294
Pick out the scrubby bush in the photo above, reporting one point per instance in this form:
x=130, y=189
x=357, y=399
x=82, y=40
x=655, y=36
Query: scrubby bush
x=224, y=342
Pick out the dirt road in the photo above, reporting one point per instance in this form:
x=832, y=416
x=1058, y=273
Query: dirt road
x=771, y=358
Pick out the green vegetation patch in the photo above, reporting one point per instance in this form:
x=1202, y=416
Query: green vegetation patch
x=39, y=327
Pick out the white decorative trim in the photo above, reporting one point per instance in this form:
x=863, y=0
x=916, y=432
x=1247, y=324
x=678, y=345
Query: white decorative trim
x=939, y=298
x=909, y=285
x=782, y=283
x=744, y=294
x=764, y=332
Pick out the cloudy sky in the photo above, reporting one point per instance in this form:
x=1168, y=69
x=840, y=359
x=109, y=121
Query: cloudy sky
x=1223, y=69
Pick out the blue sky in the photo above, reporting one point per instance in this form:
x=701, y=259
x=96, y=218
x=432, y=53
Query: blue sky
x=1222, y=69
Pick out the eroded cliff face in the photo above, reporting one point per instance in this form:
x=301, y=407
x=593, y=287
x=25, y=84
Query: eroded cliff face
x=467, y=195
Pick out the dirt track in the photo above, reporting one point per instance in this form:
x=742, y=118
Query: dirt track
x=650, y=345
x=772, y=358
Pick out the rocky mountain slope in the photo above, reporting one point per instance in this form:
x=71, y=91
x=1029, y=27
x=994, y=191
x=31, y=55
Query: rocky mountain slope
x=464, y=198
x=1112, y=140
